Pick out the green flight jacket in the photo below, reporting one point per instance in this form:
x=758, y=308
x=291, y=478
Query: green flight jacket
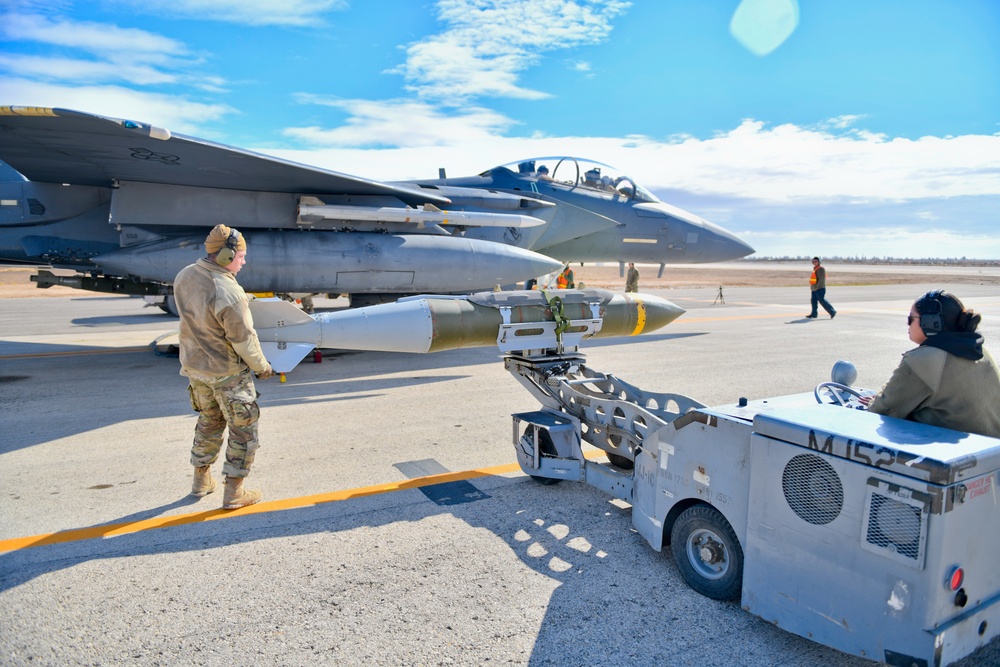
x=933, y=387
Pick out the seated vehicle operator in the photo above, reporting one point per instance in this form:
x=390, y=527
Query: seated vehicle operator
x=950, y=379
x=543, y=173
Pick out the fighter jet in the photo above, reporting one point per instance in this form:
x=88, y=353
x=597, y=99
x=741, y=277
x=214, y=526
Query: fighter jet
x=602, y=215
x=126, y=205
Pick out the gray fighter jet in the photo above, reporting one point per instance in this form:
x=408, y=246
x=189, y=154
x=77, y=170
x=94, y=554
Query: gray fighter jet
x=127, y=205
x=601, y=215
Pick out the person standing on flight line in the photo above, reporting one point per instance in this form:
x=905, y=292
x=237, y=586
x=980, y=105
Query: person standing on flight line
x=219, y=353
x=632, y=279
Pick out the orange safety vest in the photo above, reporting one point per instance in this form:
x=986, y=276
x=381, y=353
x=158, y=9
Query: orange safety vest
x=562, y=282
x=812, y=279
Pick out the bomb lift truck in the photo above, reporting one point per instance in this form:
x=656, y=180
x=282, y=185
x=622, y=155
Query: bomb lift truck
x=872, y=535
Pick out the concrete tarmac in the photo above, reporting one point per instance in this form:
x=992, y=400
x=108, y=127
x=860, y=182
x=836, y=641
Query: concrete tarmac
x=396, y=527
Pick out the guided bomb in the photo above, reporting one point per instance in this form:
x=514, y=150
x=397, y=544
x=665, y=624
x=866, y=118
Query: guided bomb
x=517, y=320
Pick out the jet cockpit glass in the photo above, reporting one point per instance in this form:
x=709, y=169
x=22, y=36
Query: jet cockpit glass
x=578, y=173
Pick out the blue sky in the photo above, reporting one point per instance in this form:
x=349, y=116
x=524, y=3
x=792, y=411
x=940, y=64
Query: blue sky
x=857, y=127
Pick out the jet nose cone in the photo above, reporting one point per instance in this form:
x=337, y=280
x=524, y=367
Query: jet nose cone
x=692, y=239
x=723, y=245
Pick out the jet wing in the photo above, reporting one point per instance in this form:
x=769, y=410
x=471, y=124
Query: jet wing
x=65, y=146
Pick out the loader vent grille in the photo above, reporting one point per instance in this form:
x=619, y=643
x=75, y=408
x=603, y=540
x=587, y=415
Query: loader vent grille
x=813, y=489
x=894, y=526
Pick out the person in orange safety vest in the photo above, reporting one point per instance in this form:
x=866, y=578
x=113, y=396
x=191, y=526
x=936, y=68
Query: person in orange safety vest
x=565, y=279
x=817, y=287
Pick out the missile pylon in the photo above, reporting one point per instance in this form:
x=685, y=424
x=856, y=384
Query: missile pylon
x=517, y=320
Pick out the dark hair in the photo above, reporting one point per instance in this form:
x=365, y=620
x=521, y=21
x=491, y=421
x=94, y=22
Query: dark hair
x=954, y=316
x=815, y=259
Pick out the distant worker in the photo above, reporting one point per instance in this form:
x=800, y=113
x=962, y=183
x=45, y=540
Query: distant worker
x=632, y=279
x=543, y=173
x=950, y=379
x=817, y=287
x=219, y=350
x=565, y=279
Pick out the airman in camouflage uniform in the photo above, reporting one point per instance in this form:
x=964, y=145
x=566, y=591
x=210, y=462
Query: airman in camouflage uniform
x=219, y=353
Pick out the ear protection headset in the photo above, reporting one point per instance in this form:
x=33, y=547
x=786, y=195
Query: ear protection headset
x=226, y=254
x=931, y=311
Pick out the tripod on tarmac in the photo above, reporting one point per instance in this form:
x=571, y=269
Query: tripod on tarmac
x=718, y=297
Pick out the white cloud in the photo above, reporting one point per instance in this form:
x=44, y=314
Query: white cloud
x=99, y=38
x=788, y=162
x=875, y=242
x=401, y=123
x=243, y=12
x=99, y=53
x=176, y=114
x=781, y=164
x=488, y=43
x=84, y=71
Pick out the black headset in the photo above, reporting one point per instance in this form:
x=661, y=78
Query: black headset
x=226, y=254
x=931, y=311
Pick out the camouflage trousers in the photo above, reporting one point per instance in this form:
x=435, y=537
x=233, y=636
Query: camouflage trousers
x=220, y=402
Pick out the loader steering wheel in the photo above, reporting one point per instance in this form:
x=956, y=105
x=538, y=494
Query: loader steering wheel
x=835, y=389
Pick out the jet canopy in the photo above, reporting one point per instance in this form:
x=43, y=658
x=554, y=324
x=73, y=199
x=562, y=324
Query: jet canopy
x=571, y=172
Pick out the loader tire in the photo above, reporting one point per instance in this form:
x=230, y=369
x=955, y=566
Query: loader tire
x=707, y=553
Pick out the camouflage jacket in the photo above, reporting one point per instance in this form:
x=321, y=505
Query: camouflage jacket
x=217, y=338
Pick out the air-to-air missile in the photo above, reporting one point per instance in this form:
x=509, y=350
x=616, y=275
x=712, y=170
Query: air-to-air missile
x=519, y=320
x=313, y=210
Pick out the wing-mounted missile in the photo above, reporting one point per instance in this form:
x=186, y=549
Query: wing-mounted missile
x=312, y=210
x=522, y=320
x=466, y=197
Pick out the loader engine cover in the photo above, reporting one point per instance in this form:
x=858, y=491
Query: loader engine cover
x=858, y=526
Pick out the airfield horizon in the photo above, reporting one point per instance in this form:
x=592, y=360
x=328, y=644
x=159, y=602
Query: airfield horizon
x=15, y=281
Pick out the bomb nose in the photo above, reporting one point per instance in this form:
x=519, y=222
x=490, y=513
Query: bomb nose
x=659, y=312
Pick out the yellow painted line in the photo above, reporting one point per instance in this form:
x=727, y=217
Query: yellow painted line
x=116, y=529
